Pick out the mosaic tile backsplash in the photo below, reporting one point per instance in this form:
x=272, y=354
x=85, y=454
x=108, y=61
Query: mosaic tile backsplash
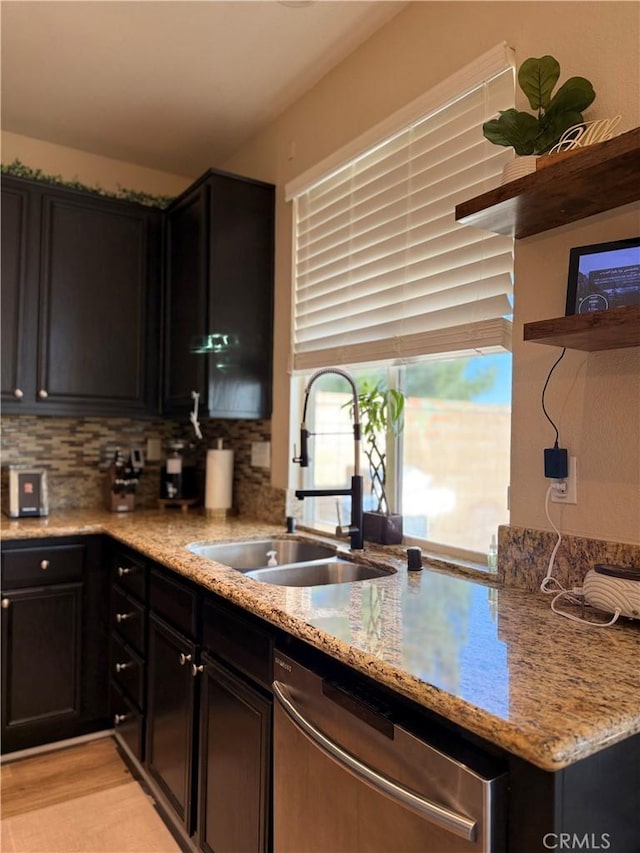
x=75, y=452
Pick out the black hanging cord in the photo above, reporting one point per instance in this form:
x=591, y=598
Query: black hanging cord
x=546, y=414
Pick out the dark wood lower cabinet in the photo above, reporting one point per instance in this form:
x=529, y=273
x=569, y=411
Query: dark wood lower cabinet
x=190, y=678
x=171, y=702
x=54, y=641
x=235, y=761
x=41, y=634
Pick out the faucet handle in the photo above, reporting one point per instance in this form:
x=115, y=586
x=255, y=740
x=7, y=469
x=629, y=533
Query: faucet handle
x=303, y=459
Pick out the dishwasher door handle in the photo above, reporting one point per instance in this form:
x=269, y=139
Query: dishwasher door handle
x=449, y=820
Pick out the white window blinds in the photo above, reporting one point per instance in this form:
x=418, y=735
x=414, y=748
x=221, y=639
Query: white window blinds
x=382, y=270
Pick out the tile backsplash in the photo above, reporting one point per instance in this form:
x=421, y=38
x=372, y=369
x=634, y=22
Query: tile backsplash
x=76, y=451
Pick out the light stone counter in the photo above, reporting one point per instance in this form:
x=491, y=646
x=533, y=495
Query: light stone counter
x=497, y=662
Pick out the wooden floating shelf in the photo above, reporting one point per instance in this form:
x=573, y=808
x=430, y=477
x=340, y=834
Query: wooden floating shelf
x=617, y=328
x=597, y=178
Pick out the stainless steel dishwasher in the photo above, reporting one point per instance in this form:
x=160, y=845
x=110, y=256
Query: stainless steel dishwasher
x=348, y=778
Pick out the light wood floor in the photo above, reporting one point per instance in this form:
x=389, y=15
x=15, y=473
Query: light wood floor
x=81, y=799
x=57, y=777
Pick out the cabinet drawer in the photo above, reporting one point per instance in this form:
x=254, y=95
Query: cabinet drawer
x=127, y=721
x=127, y=670
x=238, y=640
x=127, y=618
x=174, y=601
x=41, y=566
x=129, y=571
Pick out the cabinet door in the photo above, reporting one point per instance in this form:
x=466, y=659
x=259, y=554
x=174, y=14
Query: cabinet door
x=41, y=664
x=170, y=710
x=235, y=759
x=240, y=298
x=96, y=312
x=15, y=208
x=186, y=300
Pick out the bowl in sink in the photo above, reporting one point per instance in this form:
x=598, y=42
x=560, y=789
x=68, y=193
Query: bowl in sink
x=255, y=554
x=318, y=573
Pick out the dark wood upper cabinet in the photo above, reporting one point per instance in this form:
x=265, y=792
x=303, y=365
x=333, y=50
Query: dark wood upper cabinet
x=219, y=297
x=93, y=313
x=186, y=297
x=81, y=280
x=82, y=299
x=15, y=210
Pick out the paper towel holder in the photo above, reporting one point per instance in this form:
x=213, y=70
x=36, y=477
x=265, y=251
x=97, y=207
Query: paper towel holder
x=218, y=501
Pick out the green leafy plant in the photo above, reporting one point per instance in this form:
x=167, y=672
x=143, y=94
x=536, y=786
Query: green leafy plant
x=20, y=170
x=381, y=416
x=536, y=134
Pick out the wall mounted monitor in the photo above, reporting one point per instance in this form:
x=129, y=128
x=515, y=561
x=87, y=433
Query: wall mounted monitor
x=604, y=276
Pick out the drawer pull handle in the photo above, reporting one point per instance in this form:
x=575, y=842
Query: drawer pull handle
x=18, y=393
x=122, y=617
x=123, y=571
x=5, y=603
x=196, y=669
x=184, y=658
x=119, y=718
x=44, y=565
x=42, y=394
x=120, y=667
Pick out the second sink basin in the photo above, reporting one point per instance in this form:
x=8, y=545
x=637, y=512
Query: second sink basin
x=318, y=573
x=245, y=556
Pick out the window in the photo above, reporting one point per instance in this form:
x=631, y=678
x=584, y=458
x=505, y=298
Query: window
x=451, y=460
x=388, y=284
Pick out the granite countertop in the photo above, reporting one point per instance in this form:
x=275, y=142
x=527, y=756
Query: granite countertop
x=495, y=661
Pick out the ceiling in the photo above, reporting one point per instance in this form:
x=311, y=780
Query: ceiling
x=174, y=85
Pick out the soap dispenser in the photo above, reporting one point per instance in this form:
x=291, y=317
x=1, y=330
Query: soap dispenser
x=492, y=555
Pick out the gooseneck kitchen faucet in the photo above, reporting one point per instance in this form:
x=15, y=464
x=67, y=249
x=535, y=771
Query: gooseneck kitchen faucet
x=355, y=528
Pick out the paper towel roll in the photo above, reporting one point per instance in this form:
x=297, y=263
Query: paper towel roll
x=219, y=480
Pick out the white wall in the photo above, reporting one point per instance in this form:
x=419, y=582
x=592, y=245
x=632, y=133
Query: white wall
x=596, y=396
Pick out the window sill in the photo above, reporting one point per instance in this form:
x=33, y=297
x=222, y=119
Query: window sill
x=447, y=563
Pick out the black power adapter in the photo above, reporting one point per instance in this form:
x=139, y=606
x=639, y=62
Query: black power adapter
x=556, y=463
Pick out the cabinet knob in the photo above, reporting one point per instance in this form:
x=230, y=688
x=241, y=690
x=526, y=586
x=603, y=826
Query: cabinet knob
x=18, y=393
x=119, y=718
x=122, y=666
x=42, y=394
x=184, y=658
x=122, y=617
x=123, y=571
x=196, y=669
x=5, y=603
x=44, y=565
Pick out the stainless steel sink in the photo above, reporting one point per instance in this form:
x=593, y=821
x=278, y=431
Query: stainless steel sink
x=298, y=563
x=245, y=556
x=318, y=573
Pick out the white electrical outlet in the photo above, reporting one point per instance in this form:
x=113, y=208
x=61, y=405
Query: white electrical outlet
x=566, y=491
x=154, y=450
x=261, y=454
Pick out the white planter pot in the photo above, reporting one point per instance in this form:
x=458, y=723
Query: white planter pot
x=518, y=168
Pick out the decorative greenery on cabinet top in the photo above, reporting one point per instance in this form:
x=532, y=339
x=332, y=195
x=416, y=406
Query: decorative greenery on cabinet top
x=20, y=170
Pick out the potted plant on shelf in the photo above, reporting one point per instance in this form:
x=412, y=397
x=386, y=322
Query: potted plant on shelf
x=382, y=418
x=531, y=135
